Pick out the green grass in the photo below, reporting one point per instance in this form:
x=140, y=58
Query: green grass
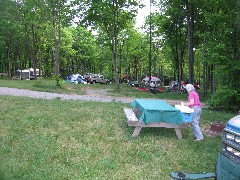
x=56, y=139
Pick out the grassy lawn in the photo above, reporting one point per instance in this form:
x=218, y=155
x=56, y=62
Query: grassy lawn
x=56, y=139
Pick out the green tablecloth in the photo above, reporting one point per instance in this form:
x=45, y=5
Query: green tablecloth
x=157, y=111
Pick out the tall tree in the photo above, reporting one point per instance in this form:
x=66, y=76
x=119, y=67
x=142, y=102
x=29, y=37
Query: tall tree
x=190, y=28
x=59, y=16
x=171, y=27
x=110, y=17
x=9, y=35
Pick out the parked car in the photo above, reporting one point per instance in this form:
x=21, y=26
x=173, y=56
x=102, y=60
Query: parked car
x=95, y=78
x=134, y=83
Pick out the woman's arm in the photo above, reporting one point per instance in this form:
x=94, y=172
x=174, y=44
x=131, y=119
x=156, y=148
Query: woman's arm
x=191, y=102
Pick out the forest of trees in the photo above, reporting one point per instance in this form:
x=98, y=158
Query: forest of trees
x=191, y=40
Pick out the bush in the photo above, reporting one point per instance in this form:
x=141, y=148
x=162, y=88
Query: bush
x=225, y=98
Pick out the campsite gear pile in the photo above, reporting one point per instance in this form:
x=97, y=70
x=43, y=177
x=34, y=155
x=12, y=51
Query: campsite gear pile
x=154, y=84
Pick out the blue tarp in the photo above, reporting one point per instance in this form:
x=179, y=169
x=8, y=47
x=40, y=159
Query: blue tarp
x=75, y=78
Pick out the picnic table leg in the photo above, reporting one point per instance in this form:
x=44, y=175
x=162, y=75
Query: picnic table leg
x=136, y=131
x=178, y=133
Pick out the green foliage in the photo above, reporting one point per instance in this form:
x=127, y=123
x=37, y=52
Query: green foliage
x=216, y=39
x=225, y=98
x=87, y=52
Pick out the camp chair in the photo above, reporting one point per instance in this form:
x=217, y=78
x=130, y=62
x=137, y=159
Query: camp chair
x=226, y=169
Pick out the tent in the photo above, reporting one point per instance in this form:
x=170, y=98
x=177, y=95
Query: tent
x=76, y=78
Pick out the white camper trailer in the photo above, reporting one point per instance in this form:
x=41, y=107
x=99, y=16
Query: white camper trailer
x=27, y=73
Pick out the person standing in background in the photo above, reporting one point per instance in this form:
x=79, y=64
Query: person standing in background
x=195, y=104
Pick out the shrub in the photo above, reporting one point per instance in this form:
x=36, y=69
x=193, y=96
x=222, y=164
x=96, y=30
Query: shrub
x=225, y=98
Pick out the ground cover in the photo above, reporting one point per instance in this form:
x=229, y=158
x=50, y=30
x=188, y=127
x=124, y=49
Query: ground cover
x=56, y=139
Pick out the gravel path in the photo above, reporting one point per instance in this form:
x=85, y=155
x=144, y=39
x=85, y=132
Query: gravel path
x=92, y=95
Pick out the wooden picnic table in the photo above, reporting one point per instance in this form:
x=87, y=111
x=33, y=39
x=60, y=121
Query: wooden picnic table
x=156, y=113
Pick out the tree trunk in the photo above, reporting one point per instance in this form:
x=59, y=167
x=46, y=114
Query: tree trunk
x=183, y=38
x=40, y=62
x=8, y=62
x=33, y=52
x=150, y=48
x=56, y=15
x=190, y=24
x=115, y=43
x=204, y=69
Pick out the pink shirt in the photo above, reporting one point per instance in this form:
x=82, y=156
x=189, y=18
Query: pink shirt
x=194, y=95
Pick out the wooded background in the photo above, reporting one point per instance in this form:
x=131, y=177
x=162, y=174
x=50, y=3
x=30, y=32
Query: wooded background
x=191, y=40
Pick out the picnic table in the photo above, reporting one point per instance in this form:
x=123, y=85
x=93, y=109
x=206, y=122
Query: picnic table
x=156, y=113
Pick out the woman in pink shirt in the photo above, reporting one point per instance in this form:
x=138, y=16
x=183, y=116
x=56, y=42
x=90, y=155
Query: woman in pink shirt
x=194, y=103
